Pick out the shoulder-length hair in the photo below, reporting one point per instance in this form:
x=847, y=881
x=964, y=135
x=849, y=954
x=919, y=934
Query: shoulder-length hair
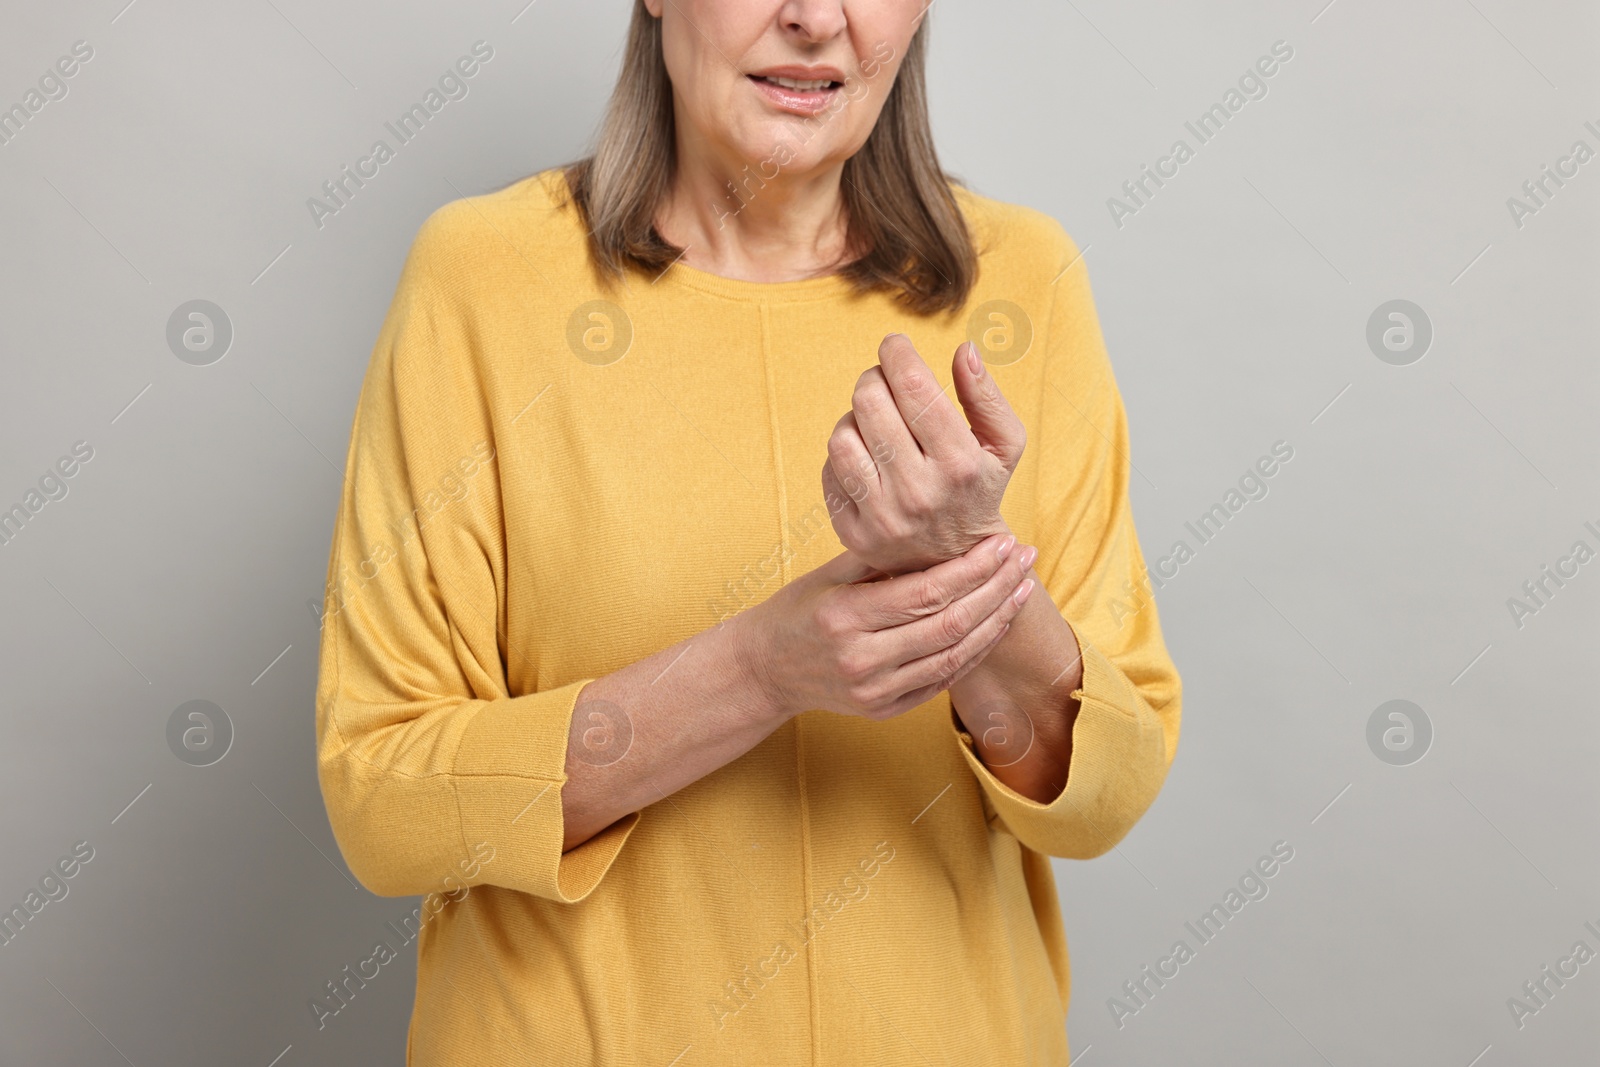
x=901, y=215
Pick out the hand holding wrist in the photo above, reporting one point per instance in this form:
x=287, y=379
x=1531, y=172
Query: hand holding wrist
x=909, y=483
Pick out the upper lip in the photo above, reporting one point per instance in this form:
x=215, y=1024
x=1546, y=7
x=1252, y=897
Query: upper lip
x=799, y=73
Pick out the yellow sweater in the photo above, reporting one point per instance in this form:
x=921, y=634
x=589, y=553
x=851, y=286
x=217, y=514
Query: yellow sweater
x=542, y=489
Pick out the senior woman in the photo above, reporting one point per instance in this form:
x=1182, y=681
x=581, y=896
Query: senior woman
x=699, y=757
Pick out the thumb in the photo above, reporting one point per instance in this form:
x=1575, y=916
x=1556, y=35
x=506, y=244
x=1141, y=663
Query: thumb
x=998, y=429
x=847, y=568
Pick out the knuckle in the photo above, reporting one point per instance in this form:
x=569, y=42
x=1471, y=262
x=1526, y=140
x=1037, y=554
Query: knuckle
x=915, y=384
x=854, y=667
x=961, y=472
x=955, y=622
x=896, y=528
x=829, y=621
x=1019, y=444
x=885, y=528
x=950, y=661
x=930, y=596
x=916, y=501
x=862, y=695
x=867, y=400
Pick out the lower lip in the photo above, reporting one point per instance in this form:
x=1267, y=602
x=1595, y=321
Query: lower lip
x=808, y=102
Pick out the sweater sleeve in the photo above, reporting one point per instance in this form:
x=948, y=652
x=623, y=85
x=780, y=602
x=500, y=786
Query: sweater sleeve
x=1090, y=562
x=427, y=762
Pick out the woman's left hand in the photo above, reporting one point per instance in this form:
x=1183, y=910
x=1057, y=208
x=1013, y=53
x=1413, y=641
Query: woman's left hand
x=908, y=482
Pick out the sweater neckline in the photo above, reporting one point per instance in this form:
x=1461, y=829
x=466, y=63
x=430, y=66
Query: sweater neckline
x=824, y=287
x=801, y=289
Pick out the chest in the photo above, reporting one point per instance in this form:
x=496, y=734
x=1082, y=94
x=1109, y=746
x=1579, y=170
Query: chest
x=652, y=493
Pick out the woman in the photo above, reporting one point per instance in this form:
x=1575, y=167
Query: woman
x=699, y=757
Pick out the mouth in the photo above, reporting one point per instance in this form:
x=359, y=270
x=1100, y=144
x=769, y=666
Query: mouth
x=804, y=96
x=801, y=85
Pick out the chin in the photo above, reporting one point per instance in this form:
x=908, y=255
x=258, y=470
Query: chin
x=783, y=147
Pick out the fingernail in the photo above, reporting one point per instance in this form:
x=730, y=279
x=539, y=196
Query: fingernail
x=1029, y=554
x=1005, y=546
x=1022, y=594
x=974, y=363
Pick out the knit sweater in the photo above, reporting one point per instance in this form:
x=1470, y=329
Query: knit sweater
x=548, y=480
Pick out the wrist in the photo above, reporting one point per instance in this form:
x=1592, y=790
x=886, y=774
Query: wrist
x=998, y=526
x=950, y=550
x=748, y=646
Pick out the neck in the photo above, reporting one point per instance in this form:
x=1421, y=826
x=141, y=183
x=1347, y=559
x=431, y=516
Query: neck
x=735, y=222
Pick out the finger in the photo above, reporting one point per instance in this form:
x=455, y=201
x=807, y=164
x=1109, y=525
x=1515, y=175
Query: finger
x=943, y=629
x=941, y=666
x=852, y=464
x=878, y=418
x=922, y=593
x=978, y=657
x=925, y=693
x=994, y=423
x=930, y=415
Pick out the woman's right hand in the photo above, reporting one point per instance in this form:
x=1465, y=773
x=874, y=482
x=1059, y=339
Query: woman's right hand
x=834, y=638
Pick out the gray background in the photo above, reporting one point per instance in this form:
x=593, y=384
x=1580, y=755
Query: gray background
x=189, y=551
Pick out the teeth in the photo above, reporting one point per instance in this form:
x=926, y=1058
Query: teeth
x=807, y=86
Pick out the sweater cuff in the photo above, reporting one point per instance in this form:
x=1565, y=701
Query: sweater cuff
x=1116, y=746
x=510, y=767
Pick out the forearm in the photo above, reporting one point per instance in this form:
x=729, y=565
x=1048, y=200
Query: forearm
x=644, y=732
x=1016, y=704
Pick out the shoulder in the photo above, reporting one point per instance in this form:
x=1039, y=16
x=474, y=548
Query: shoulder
x=1032, y=270
x=1015, y=240
x=1033, y=282
x=527, y=230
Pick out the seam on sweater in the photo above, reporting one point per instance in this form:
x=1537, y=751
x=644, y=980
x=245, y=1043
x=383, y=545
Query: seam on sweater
x=777, y=447
x=799, y=739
